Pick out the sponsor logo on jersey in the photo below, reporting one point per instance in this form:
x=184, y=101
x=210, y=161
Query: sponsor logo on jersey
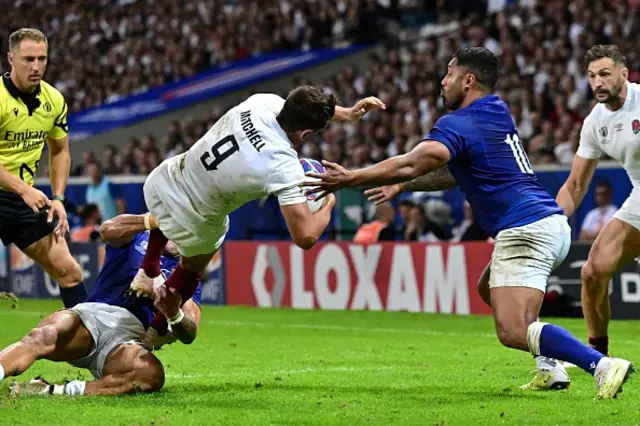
x=619, y=127
x=635, y=126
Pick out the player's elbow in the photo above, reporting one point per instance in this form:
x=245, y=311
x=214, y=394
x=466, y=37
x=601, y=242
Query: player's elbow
x=106, y=229
x=306, y=242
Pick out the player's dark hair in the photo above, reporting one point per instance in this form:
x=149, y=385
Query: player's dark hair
x=480, y=62
x=306, y=107
x=600, y=51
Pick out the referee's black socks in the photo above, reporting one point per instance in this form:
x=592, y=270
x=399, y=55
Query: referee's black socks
x=71, y=296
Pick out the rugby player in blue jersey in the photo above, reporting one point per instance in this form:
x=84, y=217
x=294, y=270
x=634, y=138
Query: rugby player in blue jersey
x=106, y=334
x=476, y=146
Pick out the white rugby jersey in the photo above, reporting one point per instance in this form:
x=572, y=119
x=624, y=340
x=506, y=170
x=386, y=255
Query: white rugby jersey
x=617, y=133
x=245, y=156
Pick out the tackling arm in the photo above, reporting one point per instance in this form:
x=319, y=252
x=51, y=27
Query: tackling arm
x=187, y=329
x=437, y=180
x=573, y=191
x=121, y=229
x=424, y=158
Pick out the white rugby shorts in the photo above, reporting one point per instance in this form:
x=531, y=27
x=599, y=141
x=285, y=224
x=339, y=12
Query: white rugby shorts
x=525, y=256
x=168, y=203
x=630, y=210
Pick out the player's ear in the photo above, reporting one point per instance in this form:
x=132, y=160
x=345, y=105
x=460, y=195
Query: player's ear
x=306, y=134
x=625, y=73
x=10, y=58
x=470, y=80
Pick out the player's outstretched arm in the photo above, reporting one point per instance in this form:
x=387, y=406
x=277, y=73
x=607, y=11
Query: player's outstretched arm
x=123, y=228
x=424, y=158
x=359, y=110
x=573, y=191
x=306, y=227
x=437, y=180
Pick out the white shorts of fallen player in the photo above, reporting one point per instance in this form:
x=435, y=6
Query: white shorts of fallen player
x=191, y=233
x=630, y=210
x=525, y=256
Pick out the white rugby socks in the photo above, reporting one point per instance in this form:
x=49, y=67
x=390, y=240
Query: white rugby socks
x=533, y=337
x=1, y=373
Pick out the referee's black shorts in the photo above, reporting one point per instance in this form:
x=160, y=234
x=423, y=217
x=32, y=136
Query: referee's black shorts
x=19, y=224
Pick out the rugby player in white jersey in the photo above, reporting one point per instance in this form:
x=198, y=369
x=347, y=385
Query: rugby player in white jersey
x=612, y=127
x=248, y=154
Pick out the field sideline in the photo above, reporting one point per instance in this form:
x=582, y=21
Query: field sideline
x=285, y=367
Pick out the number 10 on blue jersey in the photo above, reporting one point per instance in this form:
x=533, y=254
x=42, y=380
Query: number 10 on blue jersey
x=518, y=152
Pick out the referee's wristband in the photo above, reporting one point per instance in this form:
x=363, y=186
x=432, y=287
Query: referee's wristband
x=58, y=198
x=175, y=320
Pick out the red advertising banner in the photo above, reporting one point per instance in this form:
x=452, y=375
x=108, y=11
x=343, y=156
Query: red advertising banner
x=410, y=277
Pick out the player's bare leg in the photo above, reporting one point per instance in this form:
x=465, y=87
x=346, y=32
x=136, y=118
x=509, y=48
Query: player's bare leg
x=59, y=337
x=53, y=255
x=617, y=244
x=483, y=285
x=185, y=279
x=515, y=310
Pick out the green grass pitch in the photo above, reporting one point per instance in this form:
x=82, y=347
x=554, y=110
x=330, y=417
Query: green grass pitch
x=284, y=367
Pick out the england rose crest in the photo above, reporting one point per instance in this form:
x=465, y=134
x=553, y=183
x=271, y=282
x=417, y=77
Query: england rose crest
x=635, y=126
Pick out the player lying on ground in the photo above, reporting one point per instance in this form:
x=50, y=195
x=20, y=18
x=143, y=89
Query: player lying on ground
x=33, y=111
x=248, y=154
x=479, y=145
x=106, y=334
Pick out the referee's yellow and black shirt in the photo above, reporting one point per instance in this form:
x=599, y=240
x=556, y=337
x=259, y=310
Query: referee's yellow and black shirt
x=27, y=120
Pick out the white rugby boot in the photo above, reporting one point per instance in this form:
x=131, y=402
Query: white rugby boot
x=610, y=375
x=550, y=375
x=144, y=286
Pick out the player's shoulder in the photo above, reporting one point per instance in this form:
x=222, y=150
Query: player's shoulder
x=265, y=101
x=52, y=93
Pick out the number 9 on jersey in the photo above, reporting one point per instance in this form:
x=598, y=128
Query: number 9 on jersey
x=309, y=165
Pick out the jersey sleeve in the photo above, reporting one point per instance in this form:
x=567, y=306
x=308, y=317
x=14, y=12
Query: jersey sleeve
x=285, y=180
x=449, y=131
x=268, y=101
x=589, y=147
x=60, y=126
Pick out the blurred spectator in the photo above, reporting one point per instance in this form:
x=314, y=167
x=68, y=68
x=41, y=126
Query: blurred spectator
x=597, y=218
x=419, y=227
x=90, y=215
x=469, y=229
x=380, y=229
x=102, y=193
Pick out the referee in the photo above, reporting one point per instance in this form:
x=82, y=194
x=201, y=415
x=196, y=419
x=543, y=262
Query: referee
x=33, y=112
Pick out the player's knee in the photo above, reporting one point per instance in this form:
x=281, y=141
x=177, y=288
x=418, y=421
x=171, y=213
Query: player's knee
x=41, y=337
x=595, y=271
x=68, y=273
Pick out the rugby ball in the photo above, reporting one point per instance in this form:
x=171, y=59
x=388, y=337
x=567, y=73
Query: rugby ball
x=309, y=165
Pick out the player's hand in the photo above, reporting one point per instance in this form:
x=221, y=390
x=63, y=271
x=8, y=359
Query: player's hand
x=362, y=107
x=35, y=199
x=335, y=178
x=57, y=209
x=167, y=301
x=383, y=194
